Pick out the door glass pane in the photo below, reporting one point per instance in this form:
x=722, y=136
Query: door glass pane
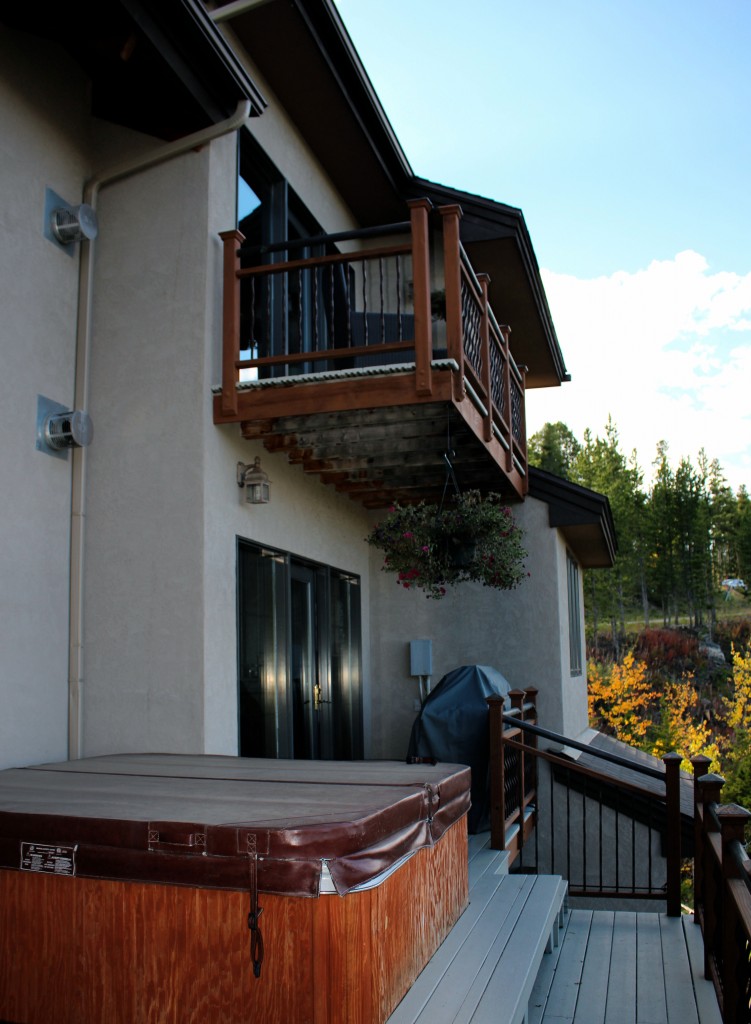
x=304, y=665
x=346, y=704
x=262, y=662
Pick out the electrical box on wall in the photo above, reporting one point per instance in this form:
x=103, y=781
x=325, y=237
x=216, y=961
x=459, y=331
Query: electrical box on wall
x=421, y=657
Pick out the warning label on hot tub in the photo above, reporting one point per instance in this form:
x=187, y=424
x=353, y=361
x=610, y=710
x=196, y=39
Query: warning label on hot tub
x=55, y=860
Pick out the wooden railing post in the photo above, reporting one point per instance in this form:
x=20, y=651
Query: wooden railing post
x=230, y=319
x=419, y=210
x=517, y=697
x=733, y=820
x=497, y=774
x=484, y=281
x=700, y=765
x=452, y=275
x=672, y=764
x=710, y=792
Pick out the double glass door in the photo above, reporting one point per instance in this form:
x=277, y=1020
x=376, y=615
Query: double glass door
x=299, y=658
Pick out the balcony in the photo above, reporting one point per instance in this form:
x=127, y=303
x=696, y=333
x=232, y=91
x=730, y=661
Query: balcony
x=374, y=360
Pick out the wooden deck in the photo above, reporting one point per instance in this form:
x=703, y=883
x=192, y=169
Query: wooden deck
x=624, y=968
x=509, y=960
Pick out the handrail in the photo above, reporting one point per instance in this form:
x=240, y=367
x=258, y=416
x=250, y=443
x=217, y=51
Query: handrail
x=722, y=893
x=513, y=736
x=379, y=231
x=556, y=737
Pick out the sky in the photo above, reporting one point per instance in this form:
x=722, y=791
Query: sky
x=621, y=128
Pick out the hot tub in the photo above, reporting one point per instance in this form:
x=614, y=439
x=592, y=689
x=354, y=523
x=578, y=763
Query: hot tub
x=175, y=888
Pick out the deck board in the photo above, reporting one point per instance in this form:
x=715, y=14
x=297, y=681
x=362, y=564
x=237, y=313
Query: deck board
x=593, y=991
x=651, y=1007
x=621, y=999
x=619, y=967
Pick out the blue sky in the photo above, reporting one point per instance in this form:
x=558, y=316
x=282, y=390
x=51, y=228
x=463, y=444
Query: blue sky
x=622, y=131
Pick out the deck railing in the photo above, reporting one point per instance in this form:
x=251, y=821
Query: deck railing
x=606, y=836
x=722, y=893
x=302, y=307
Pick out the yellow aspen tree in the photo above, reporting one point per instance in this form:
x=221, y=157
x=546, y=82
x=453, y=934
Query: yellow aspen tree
x=682, y=727
x=622, y=701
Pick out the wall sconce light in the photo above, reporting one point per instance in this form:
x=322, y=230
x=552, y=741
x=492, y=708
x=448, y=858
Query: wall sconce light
x=255, y=482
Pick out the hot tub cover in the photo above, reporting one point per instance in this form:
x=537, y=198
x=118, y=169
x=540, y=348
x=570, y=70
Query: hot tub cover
x=200, y=819
x=453, y=726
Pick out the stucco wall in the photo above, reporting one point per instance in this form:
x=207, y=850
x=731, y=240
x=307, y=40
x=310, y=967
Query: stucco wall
x=164, y=508
x=523, y=633
x=43, y=143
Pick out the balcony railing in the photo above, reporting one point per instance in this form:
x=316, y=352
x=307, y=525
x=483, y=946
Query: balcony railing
x=722, y=893
x=602, y=835
x=305, y=311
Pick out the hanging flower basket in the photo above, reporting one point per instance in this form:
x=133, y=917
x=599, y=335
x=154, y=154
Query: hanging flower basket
x=432, y=548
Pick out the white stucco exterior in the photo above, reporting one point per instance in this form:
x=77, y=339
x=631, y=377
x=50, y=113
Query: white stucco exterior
x=523, y=633
x=162, y=512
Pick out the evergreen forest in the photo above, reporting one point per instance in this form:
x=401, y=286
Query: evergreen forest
x=669, y=625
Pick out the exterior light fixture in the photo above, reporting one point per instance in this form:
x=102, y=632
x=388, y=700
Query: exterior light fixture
x=255, y=482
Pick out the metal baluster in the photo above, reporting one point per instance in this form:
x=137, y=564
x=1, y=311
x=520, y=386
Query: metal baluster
x=399, y=330
x=568, y=823
x=380, y=290
x=315, y=308
x=347, y=286
x=617, y=840
x=365, y=299
x=584, y=833
x=599, y=797
x=300, y=333
x=552, y=822
x=252, y=314
x=650, y=885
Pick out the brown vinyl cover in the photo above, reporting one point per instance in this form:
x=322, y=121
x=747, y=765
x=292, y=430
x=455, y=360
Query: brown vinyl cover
x=200, y=819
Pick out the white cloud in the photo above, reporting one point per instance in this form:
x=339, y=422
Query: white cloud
x=665, y=351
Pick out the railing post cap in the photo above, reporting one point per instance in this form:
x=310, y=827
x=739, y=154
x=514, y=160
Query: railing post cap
x=495, y=698
x=449, y=209
x=710, y=779
x=700, y=759
x=732, y=813
x=422, y=203
x=671, y=758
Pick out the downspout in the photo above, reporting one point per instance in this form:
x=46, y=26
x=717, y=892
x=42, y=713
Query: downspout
x=83, y=350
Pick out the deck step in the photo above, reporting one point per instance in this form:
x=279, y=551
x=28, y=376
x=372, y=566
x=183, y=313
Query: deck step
x=485, y=969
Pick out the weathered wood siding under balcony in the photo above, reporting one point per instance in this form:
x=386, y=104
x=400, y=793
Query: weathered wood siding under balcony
x=366, y=370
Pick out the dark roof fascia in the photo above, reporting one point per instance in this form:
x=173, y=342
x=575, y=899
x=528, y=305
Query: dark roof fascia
x=571, y=506
x=487, y=220
x=330, y=34
x=193, y=46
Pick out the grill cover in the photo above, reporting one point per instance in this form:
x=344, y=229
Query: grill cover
x=198, y=819
x=453, y=726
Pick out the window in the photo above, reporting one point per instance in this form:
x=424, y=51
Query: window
x=574, y=616
x=299, y=692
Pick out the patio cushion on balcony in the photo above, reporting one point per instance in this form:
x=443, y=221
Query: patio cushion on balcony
x=453, y=725
x=195, y=819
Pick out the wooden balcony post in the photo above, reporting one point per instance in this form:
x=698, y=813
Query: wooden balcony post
x=733, y=820
x=419, y=210
x=516, y=698
x=710, y=791
x=700, y=765
x=484, y=280
x=497, y=774
x=672, y=764
x=230, y=319
x=452, y=275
